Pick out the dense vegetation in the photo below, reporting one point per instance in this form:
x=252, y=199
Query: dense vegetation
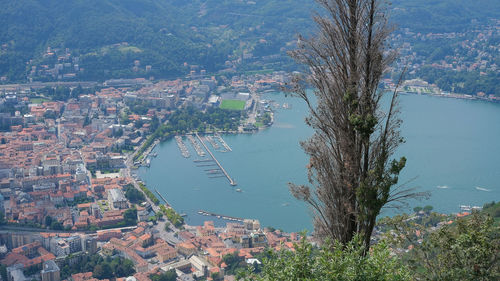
x=149, y=194
x=466, y=250
x=344, y=262
x=163, y=34
x=190, y=119
x=134, y=195
x=170, y=275
x=493, y=209
x=461, y=82
x=101, y=267
x=442, y=16
x=172, y=216
x=166, y=34
x=411, y=249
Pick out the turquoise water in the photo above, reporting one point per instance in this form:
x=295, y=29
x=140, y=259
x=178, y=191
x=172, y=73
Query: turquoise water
x=452, y=148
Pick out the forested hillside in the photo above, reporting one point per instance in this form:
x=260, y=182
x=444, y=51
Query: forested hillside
x=101, y=39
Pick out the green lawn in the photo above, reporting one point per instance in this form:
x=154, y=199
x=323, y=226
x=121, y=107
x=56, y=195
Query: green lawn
x=232, y=104
x=38, y=100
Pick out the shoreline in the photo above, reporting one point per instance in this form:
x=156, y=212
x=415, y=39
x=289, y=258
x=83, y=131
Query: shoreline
x=447, y=95
x=191, y=208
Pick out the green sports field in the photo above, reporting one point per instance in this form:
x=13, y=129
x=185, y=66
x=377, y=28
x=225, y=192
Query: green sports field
x=232, y=104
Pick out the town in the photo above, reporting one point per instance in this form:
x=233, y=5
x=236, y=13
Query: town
x=69, y=196
x=73, y=208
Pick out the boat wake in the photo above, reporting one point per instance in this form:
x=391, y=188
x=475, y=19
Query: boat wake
x=442, y=186
x=482, y=188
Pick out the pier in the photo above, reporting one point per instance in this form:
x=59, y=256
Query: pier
x=212, y=142
x=206, y=165
x=163, y=198
x=205, y=213
x=231, y=181
x=224, y=144
x=196, y=145
x=182, y=147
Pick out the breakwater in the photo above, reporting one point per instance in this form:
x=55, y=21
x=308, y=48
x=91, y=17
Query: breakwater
x=231, y=181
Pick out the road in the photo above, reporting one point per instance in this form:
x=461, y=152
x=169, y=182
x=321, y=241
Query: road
x=11, y=228
x=127, y=173
x=160, y=227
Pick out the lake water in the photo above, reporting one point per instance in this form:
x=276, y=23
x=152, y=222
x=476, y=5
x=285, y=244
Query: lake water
x=452, y=147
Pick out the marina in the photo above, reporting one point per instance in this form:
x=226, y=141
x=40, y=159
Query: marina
x=231, y=181
x=224, y=144
x=211, y=140
x=206, y=165
x=262, y=164
x=216, y=177
x=182, y=147
x=196, y=145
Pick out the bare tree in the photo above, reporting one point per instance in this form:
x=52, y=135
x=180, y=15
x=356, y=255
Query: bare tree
x=350, y=152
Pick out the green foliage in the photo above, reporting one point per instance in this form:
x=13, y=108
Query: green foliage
x=31, y=270
x=264, y=119
x=3, y=271
x=233, y=262
x=428, y=208
x=2, y=218
x=138, y=107
x=493, y=209
x=59, y=93
x=79, y=200
x=48, y=220
x=55, y=225
x=464, y=82
x=332, y=262
x=442, y=16
x=100, y=267
x=130, y=216
x=172, y=216
x=190, y=119
x=467, y=250
x=160, y=33
x=134, y=195
x=102, y=271
x=170, y=275
x=149, y=194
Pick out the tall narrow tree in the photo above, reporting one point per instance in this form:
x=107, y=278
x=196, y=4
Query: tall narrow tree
x=350, y=169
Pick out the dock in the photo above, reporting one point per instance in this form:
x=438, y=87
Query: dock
x=182, y=147
x=214, y=144
x=202, y=160
x=163, y=198
x=206, y=165
x=224, y=144
x=196, y=145
x=231, y=181
x=205, y=213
